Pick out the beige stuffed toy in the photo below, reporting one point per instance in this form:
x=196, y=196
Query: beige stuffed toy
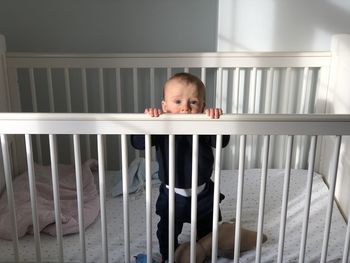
x=226, y=235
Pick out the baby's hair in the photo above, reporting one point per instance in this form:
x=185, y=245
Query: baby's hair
x=188, y=79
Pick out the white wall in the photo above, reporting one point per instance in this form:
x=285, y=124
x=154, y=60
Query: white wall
x=109, y=26
x=275, y=25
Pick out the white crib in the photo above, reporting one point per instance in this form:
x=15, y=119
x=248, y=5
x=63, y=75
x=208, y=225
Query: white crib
x=271, y=146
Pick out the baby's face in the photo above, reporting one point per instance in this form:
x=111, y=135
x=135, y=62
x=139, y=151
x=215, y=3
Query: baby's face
x=180, y=97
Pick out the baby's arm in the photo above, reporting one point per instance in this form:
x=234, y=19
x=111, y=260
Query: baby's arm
x=213, y=113
x=153, y=112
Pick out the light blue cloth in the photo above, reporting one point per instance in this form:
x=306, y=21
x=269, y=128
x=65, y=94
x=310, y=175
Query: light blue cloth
x=142, y=258
x=136, y=177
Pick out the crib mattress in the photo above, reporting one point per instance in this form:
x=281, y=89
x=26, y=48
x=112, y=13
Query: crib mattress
x=114, y=208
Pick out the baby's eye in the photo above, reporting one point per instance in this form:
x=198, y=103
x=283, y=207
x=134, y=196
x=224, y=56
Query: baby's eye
x=193, y=102
x=177, y=101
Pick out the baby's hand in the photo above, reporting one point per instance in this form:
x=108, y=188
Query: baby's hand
x=213, y=113
x=153, y=112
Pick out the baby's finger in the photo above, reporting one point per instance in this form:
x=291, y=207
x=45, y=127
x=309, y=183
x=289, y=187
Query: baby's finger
x=207, y=112
x=217, y=113
x=212, y=113
x=157, y=112
x=153, y=112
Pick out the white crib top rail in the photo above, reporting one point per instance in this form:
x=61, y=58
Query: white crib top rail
x=164, y=60
x=109, y=123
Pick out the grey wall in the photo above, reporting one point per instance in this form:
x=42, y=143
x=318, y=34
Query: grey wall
x=172, y=25
x=275, y=25
x=109, y=26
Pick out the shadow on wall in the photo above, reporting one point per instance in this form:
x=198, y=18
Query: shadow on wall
x=281, y=25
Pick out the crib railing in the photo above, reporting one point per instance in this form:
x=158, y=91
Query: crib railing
x=269, y=83
x=29, y=124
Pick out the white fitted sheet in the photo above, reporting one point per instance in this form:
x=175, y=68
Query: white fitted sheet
x=228, y=207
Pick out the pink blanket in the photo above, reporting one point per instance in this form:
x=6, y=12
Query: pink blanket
x=45, y=204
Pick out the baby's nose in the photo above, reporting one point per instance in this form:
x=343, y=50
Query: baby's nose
x=185, y=108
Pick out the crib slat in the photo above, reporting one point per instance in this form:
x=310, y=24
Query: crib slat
x=242, y=146
x=69, y=107
x=194, y=197
x=102, y=184
x=277, y=142
x=68, y=91
x=101, y=90
x=268, y=95
x=308, y=191
x=84, y=90
x=304, y=91
x=235, y=94
x=125, y=197
x=135, y=89
x=290, y=94
x=118, y=90
x=35, y=109
x=119, y=103
x=275, y=92
x=241, y=87
x=302, y=107
x=331, y=192
x=218, y=90
x=102, y=103
x=224, y=90
x=258, y=91
x=168, y=73
x=216, y=200
x=286, y=87
x=50, y=89
x=264, y=170
x=152, y=87
x=56, y=194
x=252, y=91
x=33, y=89
x=285, y=198
x=186, y=69
x=203, y=75
x=86, y=109
x=136, y=97
x=80, y=197
x=10, y=195
x=254, y=99
x=171, y=196
x=148, y=196
x=33, y=199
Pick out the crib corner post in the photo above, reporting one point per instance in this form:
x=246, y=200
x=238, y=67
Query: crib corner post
x=340, y=43
x=340, y=78
x=338, y=92
x=4, y=99
x=2, y=44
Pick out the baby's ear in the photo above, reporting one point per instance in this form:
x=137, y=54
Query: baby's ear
x=163, y=106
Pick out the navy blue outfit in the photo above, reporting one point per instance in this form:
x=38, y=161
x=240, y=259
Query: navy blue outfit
x=183, y=179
